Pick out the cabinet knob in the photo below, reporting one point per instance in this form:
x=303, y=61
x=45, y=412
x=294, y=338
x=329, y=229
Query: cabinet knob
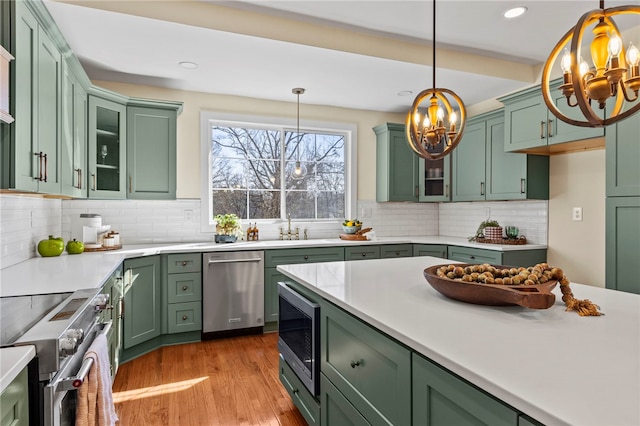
x=397, y=253
x=364, y=254
x=306, y=258
x=184, y=263
x=354, y=364
x=472, y=257
x=184, y=318
x=184, y=288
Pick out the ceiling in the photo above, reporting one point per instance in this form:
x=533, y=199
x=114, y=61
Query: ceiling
x=355, y=54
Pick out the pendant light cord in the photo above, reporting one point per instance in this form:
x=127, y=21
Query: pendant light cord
x=434, y=44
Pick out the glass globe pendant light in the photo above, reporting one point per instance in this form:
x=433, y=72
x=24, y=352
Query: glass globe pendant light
x=299, y=171
x=426, y=133
x=614, y=79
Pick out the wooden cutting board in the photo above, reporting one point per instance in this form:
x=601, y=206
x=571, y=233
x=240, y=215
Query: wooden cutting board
x=358, y=236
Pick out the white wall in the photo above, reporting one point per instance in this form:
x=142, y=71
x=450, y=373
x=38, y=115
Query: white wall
x=578, y=180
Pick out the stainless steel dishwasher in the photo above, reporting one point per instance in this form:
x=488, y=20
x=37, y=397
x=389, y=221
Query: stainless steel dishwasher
x=232, y=293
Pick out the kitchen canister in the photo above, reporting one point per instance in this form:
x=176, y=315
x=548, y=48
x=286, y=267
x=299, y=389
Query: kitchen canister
x=493, y=232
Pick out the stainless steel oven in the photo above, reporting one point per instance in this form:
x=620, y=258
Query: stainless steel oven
x=299, y=336
x=61, y=339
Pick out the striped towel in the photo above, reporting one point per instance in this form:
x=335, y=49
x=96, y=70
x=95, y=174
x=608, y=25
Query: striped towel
x=95, y=401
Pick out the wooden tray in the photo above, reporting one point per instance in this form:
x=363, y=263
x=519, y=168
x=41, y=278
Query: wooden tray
x=516, y=241
x=103, y=248
x=537, y=296
x=358, y=236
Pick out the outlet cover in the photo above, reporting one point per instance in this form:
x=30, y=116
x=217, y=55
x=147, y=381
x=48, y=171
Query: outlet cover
x=577, y=214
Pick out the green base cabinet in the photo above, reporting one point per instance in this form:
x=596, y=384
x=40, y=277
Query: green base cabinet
x=508, y=258
x=336, y=409
x=623, y=243
x=368, y=369
x=182, y=293
x=142, y=300
x=151, y=152
x=14, y=402
x=362, y=252
x=482, y=170
x=442, y=399
x=397, y=166
x=305, y=402
x=396, y=250
x=434, y=250
x=114, y=287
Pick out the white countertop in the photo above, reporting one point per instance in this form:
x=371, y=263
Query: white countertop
x=12, y=361
x=553, y=365
x=67, y=273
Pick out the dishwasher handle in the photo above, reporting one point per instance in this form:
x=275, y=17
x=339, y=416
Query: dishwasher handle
x=251, y=259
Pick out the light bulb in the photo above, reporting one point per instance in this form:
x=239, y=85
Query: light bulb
x=298, y=169
x=440, y=114
x=453, y=118
x=633, y=55
x=615, y=46
x=565, y=64
x=584, y=67
x=416, y=118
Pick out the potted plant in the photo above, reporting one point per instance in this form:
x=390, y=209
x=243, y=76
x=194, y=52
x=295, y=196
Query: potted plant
x=228, y=228
x=489, y=229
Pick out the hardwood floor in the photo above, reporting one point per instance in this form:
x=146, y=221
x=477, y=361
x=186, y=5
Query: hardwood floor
x=232, y=381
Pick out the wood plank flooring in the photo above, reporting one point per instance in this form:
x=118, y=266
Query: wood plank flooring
x=232, y=381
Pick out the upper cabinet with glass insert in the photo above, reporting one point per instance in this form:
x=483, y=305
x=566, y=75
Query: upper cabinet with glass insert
x=107, y=148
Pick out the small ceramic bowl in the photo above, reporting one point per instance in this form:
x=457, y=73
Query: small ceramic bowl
x=351, y=229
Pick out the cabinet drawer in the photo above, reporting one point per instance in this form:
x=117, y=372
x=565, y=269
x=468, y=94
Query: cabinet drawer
x=441, y=398
x=336, y=409
x=302, y=399
x=14, y=409
x=473, y=255
x=435, y=250
x=184, y=287
x=371, y=370
x=396, y=250
x=362, y=252
x=186, y=262
x=273, y=258
x=184, y=317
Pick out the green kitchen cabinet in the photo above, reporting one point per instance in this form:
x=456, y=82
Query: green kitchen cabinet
x=151, y=150
x=14, y=401
x=273, y=258
x=362, y=252
x=530, y=124
x=396, y=250
x=369, y=370
x=142, y=300
x=434, y=250
x=397, y=166
x=107, y=147
x=434, y=178
x=305, y=402
x=482, y=170
x=336, y=409
x=182, y=293
x=623, y=158
x=442, y=399
x=73, y=164
x=622, y=243
x=31, y=158
x=509, y=258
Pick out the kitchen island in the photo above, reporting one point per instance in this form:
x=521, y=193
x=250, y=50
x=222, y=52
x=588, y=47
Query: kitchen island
x=551, y=365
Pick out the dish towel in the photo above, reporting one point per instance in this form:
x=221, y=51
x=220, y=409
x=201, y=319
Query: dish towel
x=95, y=401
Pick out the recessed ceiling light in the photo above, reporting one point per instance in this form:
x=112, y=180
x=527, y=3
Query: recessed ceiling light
x=188, y=65
x=515, y=12
x=405, y=93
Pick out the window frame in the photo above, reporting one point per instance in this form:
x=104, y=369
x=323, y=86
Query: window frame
x=209, y=118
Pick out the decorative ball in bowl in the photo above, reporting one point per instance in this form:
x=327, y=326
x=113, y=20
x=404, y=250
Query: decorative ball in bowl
x=351, y=229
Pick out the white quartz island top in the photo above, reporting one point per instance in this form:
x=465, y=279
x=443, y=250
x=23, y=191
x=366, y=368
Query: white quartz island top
x=553, y=365
x=12, y=361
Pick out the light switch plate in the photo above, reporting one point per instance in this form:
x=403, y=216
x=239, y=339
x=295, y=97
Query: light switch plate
x=577, y=214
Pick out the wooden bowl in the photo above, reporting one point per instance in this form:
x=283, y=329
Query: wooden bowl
x=536, y=296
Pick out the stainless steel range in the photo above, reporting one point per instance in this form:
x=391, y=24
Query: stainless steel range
x=61, y=339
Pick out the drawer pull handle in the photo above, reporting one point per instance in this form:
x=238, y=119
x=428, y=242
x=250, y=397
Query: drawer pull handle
x=306, y=258
x=184, y=263
x=542, y=130
x=184, y=318
x=354, y=364
x=184, y=288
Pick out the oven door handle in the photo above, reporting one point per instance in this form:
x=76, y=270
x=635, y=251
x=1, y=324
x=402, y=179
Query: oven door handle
x=73, y=383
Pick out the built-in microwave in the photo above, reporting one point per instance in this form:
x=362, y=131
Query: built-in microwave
x=299, y=336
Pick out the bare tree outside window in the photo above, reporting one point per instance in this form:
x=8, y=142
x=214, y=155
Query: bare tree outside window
x=251, y=167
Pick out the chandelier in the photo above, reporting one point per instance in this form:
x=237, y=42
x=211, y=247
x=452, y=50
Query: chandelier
x=429, y=135
x=614, y=78
x=299, y=171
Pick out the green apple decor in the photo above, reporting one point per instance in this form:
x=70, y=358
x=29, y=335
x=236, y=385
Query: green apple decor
x=51, y=247
x=75, y=247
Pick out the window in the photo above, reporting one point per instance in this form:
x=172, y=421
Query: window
x=251, y=170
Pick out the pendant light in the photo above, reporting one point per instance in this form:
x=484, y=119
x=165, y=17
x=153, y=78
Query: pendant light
x=299, y=171
x=614, y=79
x=425, y=135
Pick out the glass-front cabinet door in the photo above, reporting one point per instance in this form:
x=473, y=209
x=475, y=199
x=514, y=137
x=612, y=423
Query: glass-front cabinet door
x=107, y=149
x=435, y=176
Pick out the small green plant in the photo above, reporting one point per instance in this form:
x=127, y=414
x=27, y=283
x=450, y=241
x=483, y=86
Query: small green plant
x=228, y=224
x=483, y=224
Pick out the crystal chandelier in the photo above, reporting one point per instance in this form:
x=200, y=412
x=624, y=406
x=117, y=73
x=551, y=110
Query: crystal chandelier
x=614, y=78
x=426, y=133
